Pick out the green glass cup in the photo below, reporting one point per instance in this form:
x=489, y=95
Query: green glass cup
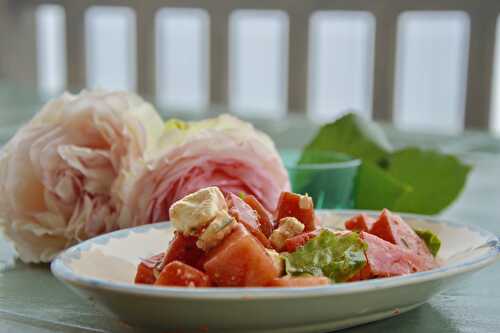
x=331, y=185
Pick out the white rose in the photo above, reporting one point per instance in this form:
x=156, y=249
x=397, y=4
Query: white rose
x=57, y=173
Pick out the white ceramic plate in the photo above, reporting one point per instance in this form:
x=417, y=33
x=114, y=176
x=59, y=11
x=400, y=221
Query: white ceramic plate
x=103, y=269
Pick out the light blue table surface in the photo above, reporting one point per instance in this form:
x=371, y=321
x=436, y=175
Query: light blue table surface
x=32, y=300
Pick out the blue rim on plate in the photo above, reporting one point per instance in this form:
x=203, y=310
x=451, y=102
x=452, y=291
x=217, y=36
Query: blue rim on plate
x=60, y=269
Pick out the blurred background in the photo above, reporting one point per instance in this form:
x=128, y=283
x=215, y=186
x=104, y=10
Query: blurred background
x=427, y=70
x=423, y=66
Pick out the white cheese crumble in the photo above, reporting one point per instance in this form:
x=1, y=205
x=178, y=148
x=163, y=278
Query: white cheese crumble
x=193, y=212
x=305, y=202
x=220, y=227
x=278, y=261
x=288, y=228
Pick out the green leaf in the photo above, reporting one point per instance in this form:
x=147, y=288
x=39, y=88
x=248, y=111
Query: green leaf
x=338, y=257
x=352, y=135
x=408, y=180
x=436, y=179
x=377, y=189
x=431, y=240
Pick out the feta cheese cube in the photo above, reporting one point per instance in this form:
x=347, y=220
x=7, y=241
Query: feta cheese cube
x=278, y=261
x=193, y=212
x=220, y=227
x=305, y=202
x=288, y=228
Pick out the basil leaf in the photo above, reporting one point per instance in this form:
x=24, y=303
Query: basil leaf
x=431, y=240
x=338, y=257
x=352, y=135
x=436, y=179
x=407, y=180
x=377, y=189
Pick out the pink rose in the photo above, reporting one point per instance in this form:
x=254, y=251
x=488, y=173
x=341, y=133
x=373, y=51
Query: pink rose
x=58, y=173
x=224, y=152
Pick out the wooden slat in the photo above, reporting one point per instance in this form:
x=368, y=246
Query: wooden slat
x=18, y=50
x=146, y=59
x=481, y=67
x=75, y=45
x=218, y=73
x=385, y=63
x=298, y=60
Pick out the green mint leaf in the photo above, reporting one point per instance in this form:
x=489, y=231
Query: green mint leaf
x=436, y=179
x=431, y=240
x=352, y=135
x=377, y=189
x=338, y=257
x=409, y=180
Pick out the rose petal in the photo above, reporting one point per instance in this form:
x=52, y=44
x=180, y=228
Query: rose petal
x=57, y=173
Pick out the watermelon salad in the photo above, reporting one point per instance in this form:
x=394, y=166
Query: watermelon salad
x=227, y=240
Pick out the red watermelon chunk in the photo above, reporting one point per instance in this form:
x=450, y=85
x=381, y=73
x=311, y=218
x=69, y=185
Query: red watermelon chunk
x=144, y=275
x=393, y=229
x=386, y=259
x=298, y=206
x=292, y=244
x=364, y=274
x=245, y=215
x=183, y=248
x=240, y=261
x=238, y=232
x=360, y=222
x=264, y=217
x=145, y=270
x=179, y=274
